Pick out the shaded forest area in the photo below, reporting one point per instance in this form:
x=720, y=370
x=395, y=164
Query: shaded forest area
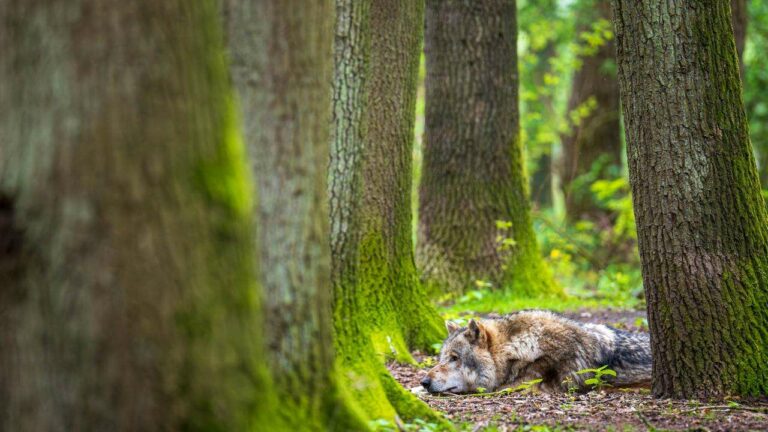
x=279, y=215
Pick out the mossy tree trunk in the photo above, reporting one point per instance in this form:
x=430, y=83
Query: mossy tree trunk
x=592, y=146
x=129, y=299
x=380, y=307
x=701, y=219
x=473, y=174
x=282, y=64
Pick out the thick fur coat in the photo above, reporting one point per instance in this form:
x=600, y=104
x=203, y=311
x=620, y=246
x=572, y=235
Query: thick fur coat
x=502, y=352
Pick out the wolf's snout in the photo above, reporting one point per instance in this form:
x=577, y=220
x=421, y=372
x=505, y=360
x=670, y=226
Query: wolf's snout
x=426, y=382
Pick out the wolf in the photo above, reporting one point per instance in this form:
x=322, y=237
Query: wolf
x=501, y=352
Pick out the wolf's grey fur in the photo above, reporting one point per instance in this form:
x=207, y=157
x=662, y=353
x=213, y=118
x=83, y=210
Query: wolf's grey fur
x=499, y=352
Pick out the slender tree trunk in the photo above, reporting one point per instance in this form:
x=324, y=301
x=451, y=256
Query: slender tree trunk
x=129, y=299
x=701, y=220
x=380, y=307
x=282, y=63
x=592, y=148
x=473, y=175
x=541, y=181
x=543, y=105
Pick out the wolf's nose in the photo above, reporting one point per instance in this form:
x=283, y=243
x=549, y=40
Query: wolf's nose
x=425, y=382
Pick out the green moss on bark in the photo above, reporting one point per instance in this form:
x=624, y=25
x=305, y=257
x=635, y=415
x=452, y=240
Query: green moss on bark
x=704, y=242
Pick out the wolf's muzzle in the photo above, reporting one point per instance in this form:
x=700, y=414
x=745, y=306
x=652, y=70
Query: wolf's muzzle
x=426, y=382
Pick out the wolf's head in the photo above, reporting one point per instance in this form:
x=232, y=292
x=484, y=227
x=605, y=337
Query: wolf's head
x=465, y=361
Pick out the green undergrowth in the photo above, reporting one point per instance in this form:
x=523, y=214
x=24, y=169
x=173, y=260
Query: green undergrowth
x=486, y=301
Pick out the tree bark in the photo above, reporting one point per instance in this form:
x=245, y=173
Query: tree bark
x=129, y=298
x=282, y=64
x=473, y=173
x=380, y=307
x=700, y=216
x=592, y=148
x=739, y=19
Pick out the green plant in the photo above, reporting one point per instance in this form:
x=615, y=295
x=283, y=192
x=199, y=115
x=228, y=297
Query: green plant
x=571, y=387
x=527, y=386
x=418, y=425
x=597, y=381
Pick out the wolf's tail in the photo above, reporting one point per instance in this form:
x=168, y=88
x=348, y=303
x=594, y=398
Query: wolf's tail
x=631, y=358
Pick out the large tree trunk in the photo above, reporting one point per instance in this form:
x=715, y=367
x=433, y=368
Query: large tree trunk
x=592, y=147
x=701, y=220
x=473, y=175
x=380, y=307
x=129, y=299
x=282, y=63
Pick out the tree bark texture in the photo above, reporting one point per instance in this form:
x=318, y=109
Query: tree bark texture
x=592, y=148
x=381, y=308
x=740, y=20
x=282, y=63
x=128, y=299
x=473, y=173
x=701, y=219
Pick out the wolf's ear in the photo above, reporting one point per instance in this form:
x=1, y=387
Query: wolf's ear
x=476, y=332
x=452, y=327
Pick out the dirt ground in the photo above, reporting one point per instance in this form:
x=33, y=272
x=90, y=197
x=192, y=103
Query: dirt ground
x=597, y=410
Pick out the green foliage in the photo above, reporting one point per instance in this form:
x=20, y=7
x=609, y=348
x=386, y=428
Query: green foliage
x=756, y=82
x=527, y=386
x=596, y=261
x=614, y=195
x=418, y=425
x=597, y=381
x=504, y=241
x=552, y=44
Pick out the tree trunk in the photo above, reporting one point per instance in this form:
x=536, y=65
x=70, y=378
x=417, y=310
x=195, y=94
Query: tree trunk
x=473, y=175
x=380, y=307
x=700, y=216
x=543, y=105
x=129, y=299
x=282, y=63
x=739, y=19
x=541, y=181
x=592, y=148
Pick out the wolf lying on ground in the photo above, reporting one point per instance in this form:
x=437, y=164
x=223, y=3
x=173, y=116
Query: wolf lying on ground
x=500, y=352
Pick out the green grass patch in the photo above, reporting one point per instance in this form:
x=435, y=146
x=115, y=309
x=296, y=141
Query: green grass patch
x=483, y=301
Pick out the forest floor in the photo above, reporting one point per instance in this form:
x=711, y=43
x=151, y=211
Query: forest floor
x=607, y=410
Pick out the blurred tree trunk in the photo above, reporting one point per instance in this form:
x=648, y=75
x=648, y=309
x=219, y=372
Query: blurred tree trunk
x=701, y=219
x=473, y=174
x=129, y=300
x=592, y=148
x=541, y=107
x=541, y=180
x=739, y=18
x=282, y=63
x=381, y=309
